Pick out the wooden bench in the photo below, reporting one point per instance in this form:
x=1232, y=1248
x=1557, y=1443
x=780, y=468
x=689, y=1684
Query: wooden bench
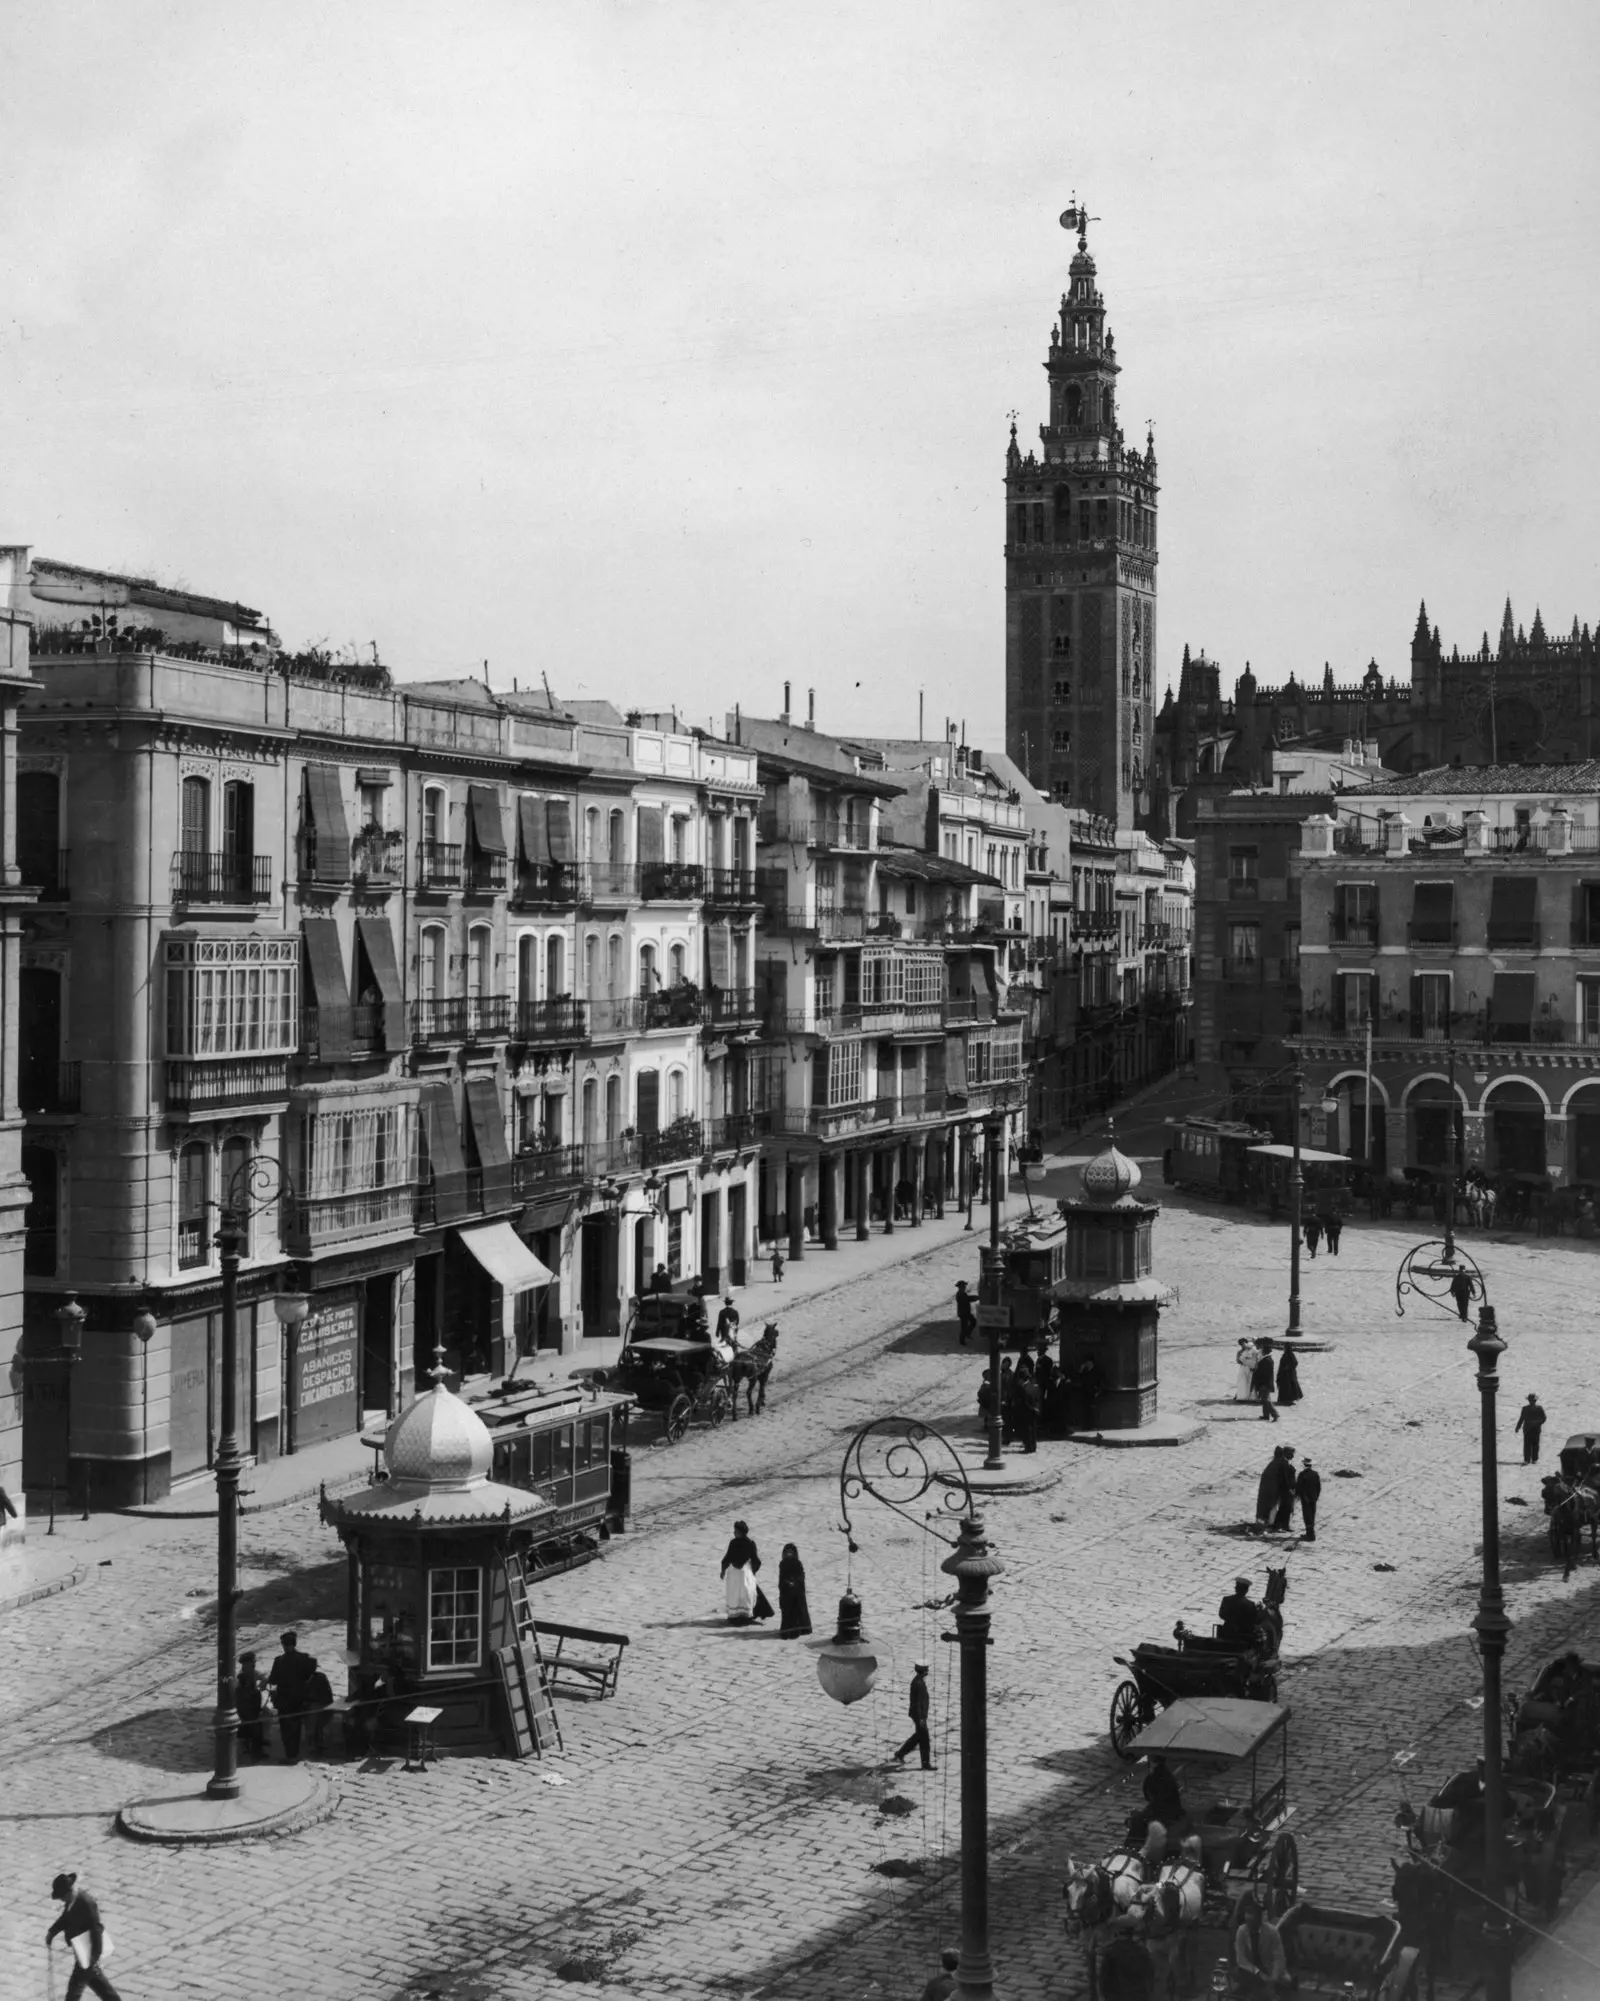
x=592, y=1673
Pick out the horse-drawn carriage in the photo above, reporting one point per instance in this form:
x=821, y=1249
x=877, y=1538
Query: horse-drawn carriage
x=1199, y=1665
x=1571, y=1499
x=672, y=1365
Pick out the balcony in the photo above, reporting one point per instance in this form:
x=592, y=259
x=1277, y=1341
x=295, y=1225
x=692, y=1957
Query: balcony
x=671, y=882
x=1352, y=930
x=462, y=1018
x=325, y=1219
x=639, y=1014
x=610, y=883
x=199, y=1084
x=49, y=1088
x=842, y=925
x=366, y=1032
x=46, y=872
x=684, y=1139
x=546, y=884
x=852, y=836
x=735, y=887
x=536, y=1167
x=1247, y=970
x=739, y=1129
x=485, y=873
x=201, y=877
x=1513, y=937
x=1243, y=889
x=1433, y=937
x=1155, y=936
x=730, y=1008
x=559, y=1021
x=438, y=866
x=1095, y=924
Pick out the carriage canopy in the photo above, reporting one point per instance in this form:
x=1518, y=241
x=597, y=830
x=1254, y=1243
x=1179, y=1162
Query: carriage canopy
x=1214, y=1730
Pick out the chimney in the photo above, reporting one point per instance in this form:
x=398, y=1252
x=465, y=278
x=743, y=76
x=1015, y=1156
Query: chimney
x=811, y=708
x=785, y=716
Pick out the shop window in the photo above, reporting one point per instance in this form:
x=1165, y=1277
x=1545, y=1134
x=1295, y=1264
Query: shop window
x=194, y=1165
x=455, y=1617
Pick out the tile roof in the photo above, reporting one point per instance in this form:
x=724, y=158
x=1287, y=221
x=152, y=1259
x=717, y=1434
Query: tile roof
x=1582, y=776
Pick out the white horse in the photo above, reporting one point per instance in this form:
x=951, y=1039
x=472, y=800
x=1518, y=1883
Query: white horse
x=1096, y=1892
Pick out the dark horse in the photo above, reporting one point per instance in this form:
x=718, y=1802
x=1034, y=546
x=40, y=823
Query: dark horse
x=752, y=1366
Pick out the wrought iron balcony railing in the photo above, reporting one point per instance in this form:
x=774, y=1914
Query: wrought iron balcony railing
x=225, y=1080
x=546, y=883
x=461, y=1018
x=438, y=865
x=199, y=876
x=366, y=1030
x=671, y=882
x=562, y=1020
x=49, y=1087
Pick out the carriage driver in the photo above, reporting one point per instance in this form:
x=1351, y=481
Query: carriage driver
x=1240, y=1615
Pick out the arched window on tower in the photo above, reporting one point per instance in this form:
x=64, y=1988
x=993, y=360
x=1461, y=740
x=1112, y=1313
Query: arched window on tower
x=1074, y=393
x=1063, y=505
x=1038, y=521
x=1019, y=524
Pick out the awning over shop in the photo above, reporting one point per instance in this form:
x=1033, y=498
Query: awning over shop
x=505, y=1257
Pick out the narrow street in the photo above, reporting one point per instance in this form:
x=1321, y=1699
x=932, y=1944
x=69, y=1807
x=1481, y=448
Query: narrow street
x=718, y=1827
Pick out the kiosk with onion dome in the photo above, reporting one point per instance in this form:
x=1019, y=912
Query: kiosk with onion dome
x=436, y=1567
x=1109, y=1302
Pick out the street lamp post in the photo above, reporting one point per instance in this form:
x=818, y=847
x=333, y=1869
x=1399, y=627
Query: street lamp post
x=992, y=1284
x=901, y=1472
x=1492, y=1627
x=1296, y=1190
x=257, y=1185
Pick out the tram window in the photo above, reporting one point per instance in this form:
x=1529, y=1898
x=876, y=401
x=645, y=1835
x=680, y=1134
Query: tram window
x=580, y=1448
x=544, y=1458
x=516, y=1462
x=564, y=1452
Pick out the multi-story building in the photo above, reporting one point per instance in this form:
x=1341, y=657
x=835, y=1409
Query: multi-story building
x=1154, y=891
x=16, y=894
x=1454, y=916
x=1081, y=576
x=470, y=972
x=880, y=969
x=1248, y=931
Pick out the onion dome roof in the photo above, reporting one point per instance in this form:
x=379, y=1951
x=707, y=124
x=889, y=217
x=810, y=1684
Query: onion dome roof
x=439, y=1442
x=1111, y=1174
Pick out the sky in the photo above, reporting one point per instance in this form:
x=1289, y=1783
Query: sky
x=665, y=351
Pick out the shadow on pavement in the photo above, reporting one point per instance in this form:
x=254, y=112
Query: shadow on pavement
x=304, y=1597
x=165, y=1740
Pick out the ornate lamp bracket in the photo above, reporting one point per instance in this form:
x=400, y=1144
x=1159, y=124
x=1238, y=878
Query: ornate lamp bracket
x=1427, y=1272
x=899, y=1461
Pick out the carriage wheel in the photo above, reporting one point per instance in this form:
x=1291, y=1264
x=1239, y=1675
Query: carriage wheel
x=1127, y=1717
x=720, y=1403
x=679, y=1411
x=1276, y=1877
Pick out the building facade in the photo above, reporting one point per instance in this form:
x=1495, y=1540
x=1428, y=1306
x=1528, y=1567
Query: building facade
x=16, y=895
x=1081, y=553
x=466, y=983
x=1454, y=917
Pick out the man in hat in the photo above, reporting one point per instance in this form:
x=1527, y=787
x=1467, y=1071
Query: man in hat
x=1240, y=1616
x=966, y=1319
x=728, y=1323
x=1283, y=1520
x=943, y=1983
x=287, y=1684
x=1308, y=1491
x=80, y=1920
x=1530, y=1422
x=917, y=1708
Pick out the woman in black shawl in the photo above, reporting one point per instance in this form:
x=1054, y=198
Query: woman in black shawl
x=1289, y=1390
x=794, y=1615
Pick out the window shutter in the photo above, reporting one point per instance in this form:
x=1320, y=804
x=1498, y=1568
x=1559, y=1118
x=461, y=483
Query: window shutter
x=445, y=1157
x=1512, y=1003
x=326, y=805
x=1433, y=912
x=379, y=941
x=489, y=1137
x=488, y=829
x=649, y=1101
x=325, y=963
x=717, y=954
x=558, y=821
x=1416, y=1003
x=650, y=834
x=535, y=845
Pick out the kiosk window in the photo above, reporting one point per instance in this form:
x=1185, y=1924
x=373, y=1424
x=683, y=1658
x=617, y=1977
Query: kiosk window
x=454, y=1617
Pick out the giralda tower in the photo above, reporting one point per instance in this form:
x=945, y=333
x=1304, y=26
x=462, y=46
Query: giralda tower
x=1081, y=574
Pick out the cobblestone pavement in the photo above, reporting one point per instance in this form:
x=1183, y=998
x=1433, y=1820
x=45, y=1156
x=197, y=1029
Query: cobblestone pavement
x=720, y=1826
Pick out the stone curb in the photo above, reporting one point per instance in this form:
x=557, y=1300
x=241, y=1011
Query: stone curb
x=1148, y=1439
x=32, y=1596
x=346, y=1483
x=143, y=1820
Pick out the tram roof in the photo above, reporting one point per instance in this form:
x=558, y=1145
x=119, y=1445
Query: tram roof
x=1280, y=1151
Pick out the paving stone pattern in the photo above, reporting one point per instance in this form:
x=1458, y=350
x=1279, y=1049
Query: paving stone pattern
x=722, y=1827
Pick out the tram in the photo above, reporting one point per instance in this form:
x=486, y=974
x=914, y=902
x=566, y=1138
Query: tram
x=1244, y=1164
x=567, y=1443
x=1035, y=1255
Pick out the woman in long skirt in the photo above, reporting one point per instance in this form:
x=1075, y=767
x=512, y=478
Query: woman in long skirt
x=794, y=1615
x=743, y=1596
x=1289, y=1390
x=1246, y=1360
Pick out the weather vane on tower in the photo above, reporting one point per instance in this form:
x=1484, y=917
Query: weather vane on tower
x=1078, y=217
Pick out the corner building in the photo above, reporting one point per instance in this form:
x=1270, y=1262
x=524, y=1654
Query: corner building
x=1081, y=578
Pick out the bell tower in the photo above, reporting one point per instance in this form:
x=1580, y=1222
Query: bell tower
x=1081, y=574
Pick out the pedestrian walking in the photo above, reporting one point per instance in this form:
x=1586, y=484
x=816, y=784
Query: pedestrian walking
x=1313, y=1234
x=917, y=1708
x=1245, y=1366
x=1333, y=1224
x=1261, y=1383
x=1461, y=1292
x=1308, y=1491
x=728, y=1323
x=1029, y=1404
x=1530, y=1422
x=794, y=1615
x=985, y=1400
x=85, y=1937
x=248, y=1702
x=1275, y=1475
x=1289, y=1390
x=286, y=1684
x=1283, y=1521
x=943, y=1983
x=966, y=1319
x=1008, y=1401
x=777, y=1264
x=743, y=1596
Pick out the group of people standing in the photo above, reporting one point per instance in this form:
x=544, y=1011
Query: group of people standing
x=745, y=1601
x=1319, y=1224
x=1258, y=1380
x=1280, y=1487
x=300, y=1694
